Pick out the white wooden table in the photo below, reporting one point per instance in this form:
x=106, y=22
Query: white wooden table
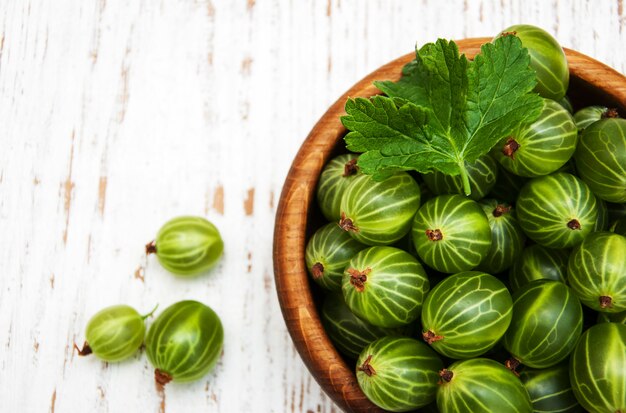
x=118, y=115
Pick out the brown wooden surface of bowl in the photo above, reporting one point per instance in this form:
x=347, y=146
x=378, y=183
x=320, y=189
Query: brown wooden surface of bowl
x=591, y=82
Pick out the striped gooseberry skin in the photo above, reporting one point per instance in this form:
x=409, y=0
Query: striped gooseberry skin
x=612, y=317
x=597, y=272
x=508, y=185
x=327, y=253
x=398, y=374
x=557, y=211
x=567, y=104
x=482, y=175
x=507, y=237
x=547, y=321
x=591, y=114
x=385, y=286
x=348, y=332
x=602, y=222
x=379, y=212
x=537, y=263
x=187, y=245
x=550, y=389
x=466, y=314
x=184, y=342
x=601, y=159
x=598, y=368
x=334, y=179
x=541, y=147
x=481, y=385
x=546, y=57
x=115, y=333
x=451, y=233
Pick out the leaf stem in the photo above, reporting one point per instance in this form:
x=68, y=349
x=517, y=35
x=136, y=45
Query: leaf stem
x=465, y=179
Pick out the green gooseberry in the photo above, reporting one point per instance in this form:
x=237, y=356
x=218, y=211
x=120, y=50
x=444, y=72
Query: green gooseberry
x=481, y=385
x=507, y=185
x=349, y=333
x=596, y=270
x=566, y=102
x=611, y=317
x=601, y=159
x=379, y=212
x=187, y=245
x=114, y=333
x=466, y=314
x=451, y=233
x=541, y=147
x=507, y=237
x=550, y=389
x=546, y=57
x=385, y=286
x=602, y=222
x=557, y=211
x=338, y=173
x=327, y=253
x=537, y=263
x=184, y=342
x=591, y=114
x=398, y=374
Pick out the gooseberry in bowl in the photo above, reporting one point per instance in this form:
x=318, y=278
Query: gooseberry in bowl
x=299, y=217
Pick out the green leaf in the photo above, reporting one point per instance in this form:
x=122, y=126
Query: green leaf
x=408, y=87
x=445, y=110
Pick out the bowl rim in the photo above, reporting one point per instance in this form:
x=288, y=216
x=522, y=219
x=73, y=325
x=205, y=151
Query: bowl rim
x=324, y=362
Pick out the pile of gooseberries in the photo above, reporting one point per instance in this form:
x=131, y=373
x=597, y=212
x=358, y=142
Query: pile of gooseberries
x=510, y=300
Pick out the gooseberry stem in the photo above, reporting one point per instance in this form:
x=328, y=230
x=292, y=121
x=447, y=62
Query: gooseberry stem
x=161, y=377
x=606, y=301
x=350, y=168
x=510, y=148
x=512, y=364
x=573, y=224
x=367, y=367
x=430, y=337
x=446, y=376
x=143, y=317
x=500, y=210
x=317, y=270
x=85, y=351
x=610, y=113
x=434, y=234
x=151, y=248
x=358, y=278
x=347, y=224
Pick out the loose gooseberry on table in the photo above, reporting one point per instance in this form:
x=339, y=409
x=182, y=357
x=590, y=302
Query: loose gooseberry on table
x=184, y=342
x=187, y=245
x=114, y=333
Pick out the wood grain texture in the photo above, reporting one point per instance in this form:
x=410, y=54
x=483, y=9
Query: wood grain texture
x=118, y=115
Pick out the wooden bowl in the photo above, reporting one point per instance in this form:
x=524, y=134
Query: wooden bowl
x=591, y=82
